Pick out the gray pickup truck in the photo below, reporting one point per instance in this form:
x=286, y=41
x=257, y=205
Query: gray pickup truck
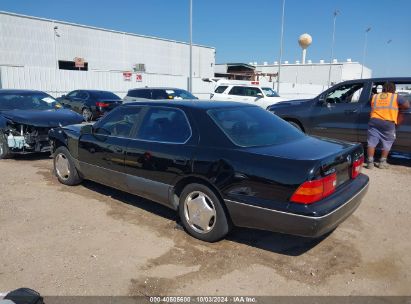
x=343, y=111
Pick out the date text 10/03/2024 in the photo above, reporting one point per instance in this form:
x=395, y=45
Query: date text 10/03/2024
x=203, y=299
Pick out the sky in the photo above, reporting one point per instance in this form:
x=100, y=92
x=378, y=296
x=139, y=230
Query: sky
x=249, y=30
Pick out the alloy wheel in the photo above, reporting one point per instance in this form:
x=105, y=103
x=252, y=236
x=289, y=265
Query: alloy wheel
x=62, y=166
x=200, y=212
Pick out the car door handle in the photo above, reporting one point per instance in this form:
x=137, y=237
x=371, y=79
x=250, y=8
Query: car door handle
x=118, y=150
x=351, y=111
x=180, y=162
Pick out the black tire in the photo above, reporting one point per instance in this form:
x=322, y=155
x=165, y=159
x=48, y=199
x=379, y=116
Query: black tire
x=87, y=114
x=295, y=125
x=219, y=225
x=4, y=147
x=69, y=177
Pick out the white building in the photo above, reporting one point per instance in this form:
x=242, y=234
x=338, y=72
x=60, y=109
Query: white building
x=316, y=73
x=37, y=53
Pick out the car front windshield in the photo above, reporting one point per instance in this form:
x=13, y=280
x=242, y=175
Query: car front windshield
x=180, y=94
x=269, y=92
x=253, y=126
x=27, y=101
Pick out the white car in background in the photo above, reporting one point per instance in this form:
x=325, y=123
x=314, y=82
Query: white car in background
x=261, y=96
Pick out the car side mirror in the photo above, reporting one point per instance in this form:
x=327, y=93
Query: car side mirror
x=63, y=96
x=259, y=95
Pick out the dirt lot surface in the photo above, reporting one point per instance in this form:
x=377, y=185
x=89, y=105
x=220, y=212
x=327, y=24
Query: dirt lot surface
x=94, y=240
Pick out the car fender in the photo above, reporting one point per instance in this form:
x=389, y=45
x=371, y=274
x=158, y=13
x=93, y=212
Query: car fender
x=58, y=138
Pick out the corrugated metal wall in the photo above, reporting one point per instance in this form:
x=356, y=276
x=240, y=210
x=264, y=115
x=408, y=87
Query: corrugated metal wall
x=30, y=41
x=58, y=82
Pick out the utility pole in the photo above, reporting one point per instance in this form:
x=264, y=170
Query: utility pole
x=281, y=47
x=190, y=82
x=336, y=12
x=365, y=50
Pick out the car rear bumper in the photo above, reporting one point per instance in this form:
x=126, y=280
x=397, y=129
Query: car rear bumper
x=315, y=225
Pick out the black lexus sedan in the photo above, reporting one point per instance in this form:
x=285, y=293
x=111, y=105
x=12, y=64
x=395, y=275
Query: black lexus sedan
x=26, y=117
x=218, y=164
x=92, y=104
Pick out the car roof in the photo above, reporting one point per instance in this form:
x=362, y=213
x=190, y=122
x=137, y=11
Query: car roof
x=156, y=88
x=193, y=104
x=92, y=91
x=17, y=91
x=380, y=79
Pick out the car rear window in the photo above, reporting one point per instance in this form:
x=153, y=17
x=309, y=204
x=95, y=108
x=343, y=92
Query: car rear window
x=220, y=89
x=104, y=95
x=254, y=126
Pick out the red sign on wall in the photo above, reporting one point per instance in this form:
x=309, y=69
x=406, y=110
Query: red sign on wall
x=127, y=76
x=139, y=78
x=79, y=62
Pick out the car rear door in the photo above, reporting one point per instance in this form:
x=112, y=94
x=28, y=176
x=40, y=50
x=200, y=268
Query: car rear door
x=160, y=152
x=337, y=113
x=238, y=93
x=102, y=153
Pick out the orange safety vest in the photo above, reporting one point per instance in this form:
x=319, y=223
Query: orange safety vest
x=385, y=106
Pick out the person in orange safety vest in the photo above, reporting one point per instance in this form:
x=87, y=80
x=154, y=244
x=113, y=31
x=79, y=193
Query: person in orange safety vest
x=384, y=118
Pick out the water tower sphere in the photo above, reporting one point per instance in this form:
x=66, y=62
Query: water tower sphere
x=305, y=40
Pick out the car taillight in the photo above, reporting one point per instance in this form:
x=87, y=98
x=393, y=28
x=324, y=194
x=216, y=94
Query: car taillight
x=102, y=104
x=315, y=190
x=356, y=167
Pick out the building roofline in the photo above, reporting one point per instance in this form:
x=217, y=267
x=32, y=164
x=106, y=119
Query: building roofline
x=100, y=29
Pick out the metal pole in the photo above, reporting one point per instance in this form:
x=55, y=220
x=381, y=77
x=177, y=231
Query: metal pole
x=336, y=12
x=190, y=82
x=281, y=47
x=365, y=50
x=387, y=58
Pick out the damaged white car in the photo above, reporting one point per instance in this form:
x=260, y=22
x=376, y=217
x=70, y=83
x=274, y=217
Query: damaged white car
x=26, y=117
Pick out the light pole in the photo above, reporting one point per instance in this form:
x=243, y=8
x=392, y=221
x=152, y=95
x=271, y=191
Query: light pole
x=281, y=47
x=190, y=81
x=387, y=58
x=55, y=34
x=365, y=50
x=336, y=12
x=56, y=62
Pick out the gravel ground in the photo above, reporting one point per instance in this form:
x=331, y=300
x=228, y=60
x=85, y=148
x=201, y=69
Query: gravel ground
x=94, y=240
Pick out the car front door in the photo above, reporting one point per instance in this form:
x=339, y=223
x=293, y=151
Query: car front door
x=336, y=113
x=102, y=152
x=161, y=151
x=403, y=141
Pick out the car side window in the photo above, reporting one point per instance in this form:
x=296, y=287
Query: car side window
x=165, y=125
x=349, y=93
x=252, y=92
x=220, y=89
x=119, y=122
x=141, y=93
x=72, y=94
x=82, y=95
x=237, y=91
x=159, y=94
